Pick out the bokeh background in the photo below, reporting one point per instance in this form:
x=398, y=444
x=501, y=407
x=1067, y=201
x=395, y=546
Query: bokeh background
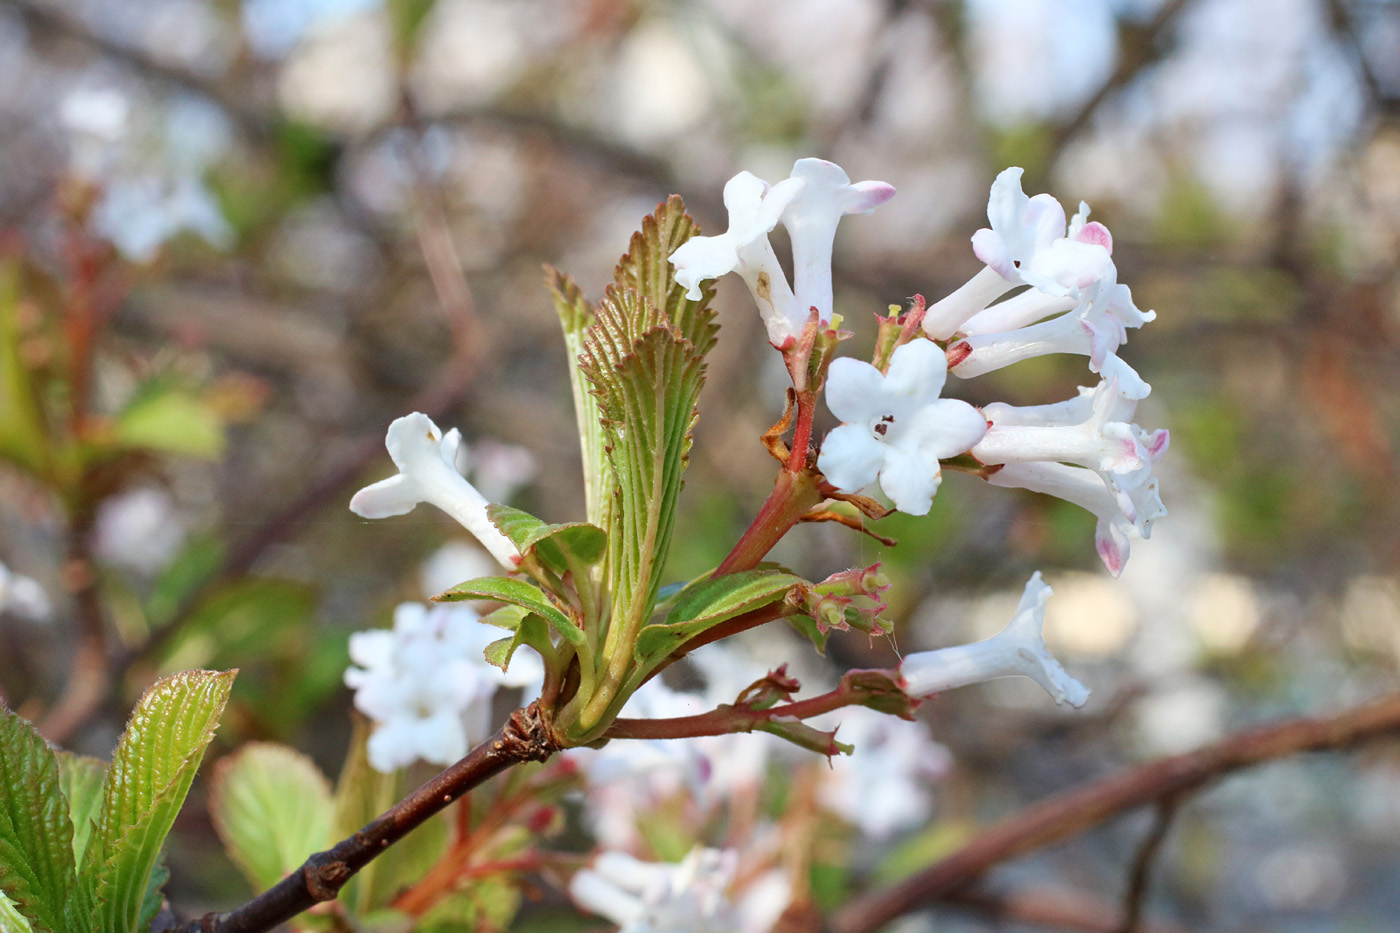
x=265, y=206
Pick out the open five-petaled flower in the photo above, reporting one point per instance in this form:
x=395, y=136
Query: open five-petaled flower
x=895, y=426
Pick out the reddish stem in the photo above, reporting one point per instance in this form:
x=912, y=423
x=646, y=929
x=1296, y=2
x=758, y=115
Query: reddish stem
x=726, y=719
x=794, y=495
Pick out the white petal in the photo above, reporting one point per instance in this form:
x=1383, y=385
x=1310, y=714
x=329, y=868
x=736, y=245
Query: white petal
x=917, y=372
x=911, y=479
x=396, y=495
x=854, y=390
x=850, y=457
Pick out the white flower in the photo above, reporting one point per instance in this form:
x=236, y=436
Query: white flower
x=138, y=529
x=426, y=685
x=895, y=426
x=809, y=204
x=1019, y=649
x=886, y=785
x=1027, y=243
x=652, y=897
x=23, y=596
x=754, y=208
x=1096, y=327
x=1123, y=513
x=811, y=220
x=1088, y=430
x=427, y=473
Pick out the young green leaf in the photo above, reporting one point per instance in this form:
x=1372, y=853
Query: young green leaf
x=152, y=770
x=554, y=545
x=532, y=631
x=646, y=270
x=647, y=379
x=82, y=779
x=37, y=871
x=271, y=807
x=708, y=602
x=576, y=316
x=11, y=920
x=517, y=593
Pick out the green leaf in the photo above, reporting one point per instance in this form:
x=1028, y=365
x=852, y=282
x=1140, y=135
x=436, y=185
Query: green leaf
x=82, y=779
x=532, y=631
x=11, y=920
x=807, y=627
x=246, y=620
x=152, y=770
x=554, y=545
x=575, y=317
x=808, y=737
x=171, y=419
x=646, y=270
x=708, y=602
x=272, y=808
x=37, y=871
x=647, y=379
x=155, y=895
x=517, y=593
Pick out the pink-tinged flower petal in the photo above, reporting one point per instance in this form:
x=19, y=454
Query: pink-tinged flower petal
x=865, y=196
x=1097, y=234
x=988, y=246
x=1112, y=546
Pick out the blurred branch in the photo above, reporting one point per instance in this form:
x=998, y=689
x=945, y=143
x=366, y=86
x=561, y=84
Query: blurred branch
x=522, y=738
x=1147, y=853
x=1139, y=47
x=1071, y=812
x=46, y=17
x=1054, y=909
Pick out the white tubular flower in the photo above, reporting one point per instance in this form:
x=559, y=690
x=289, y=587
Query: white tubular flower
x=1019, y=649
x=754, y=208
x=23, y=596
x=426, y=684
x=826, y=196
x=896, y=427
x=809, y=204
x=1027, y=243
x=1123, y=514
x=1096, y=328
x=426, y=460
x=1088, y=430
x=652, y=897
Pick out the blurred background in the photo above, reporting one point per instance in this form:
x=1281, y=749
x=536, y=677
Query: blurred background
x=240, y=237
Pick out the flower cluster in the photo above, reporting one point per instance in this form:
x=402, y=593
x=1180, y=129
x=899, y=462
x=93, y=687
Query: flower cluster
x=426, y=685
x=809, y=204
x=1085, y=450
x=690, y=896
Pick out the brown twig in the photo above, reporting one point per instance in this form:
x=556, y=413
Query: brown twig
x=1073, y=811
x=1053, y=909
x=1138, y=49
x=523, y=738
x=1139, y=874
